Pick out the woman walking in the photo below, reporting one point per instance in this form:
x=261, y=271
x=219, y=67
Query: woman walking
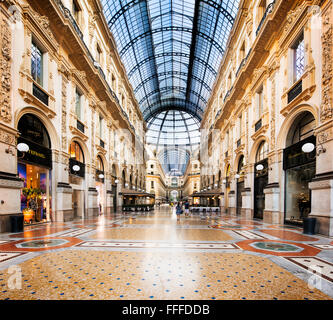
x=179, y=211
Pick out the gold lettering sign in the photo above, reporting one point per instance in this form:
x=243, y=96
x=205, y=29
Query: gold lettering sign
x=37, y=154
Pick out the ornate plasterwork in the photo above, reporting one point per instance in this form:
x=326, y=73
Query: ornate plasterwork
x=7, y=138
x=272, y=112
x=64, y=113
x=42, y=24
x=5, y=72
x=326, y=112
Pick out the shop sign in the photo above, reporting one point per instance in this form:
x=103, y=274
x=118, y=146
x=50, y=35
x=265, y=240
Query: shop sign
x=293, y=156
x=37, y=154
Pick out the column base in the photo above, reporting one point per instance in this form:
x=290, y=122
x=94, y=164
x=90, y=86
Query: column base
x=64, y=215
x=246, y=214
x=93, y=212
x=232, y=212
x=273, y=217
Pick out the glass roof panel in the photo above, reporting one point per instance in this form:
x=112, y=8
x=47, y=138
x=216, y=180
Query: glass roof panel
x=171, y=50
x=182, y=36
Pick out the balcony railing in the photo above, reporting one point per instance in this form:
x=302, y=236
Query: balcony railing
x=243, y=62
x=68, y=15
x=269, y=9
x=295, y=91
x=227, y=94
x=40, y=94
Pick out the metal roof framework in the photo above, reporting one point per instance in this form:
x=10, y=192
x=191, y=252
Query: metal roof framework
x=171, y=50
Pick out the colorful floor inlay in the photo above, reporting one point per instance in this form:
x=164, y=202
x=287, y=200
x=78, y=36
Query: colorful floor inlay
x=132, y=275
x=154, y=256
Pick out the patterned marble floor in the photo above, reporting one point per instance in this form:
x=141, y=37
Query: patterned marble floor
x=154, y=256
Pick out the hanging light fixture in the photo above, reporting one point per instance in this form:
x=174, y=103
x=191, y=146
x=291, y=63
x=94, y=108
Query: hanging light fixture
x=76, y=168
x=259, y=167
x=22, y=147
x=116, y=181
x=237, y=176
x=101, y=176
x=308, y=147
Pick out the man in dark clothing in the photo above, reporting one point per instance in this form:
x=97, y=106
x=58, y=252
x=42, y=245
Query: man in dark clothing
x=187, y=209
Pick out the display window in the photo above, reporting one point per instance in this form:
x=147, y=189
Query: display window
x=34, y=168
x=300, y=169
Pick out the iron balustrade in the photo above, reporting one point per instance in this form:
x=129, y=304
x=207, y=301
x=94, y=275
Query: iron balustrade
x=269, y=9
x=68, y=15
x=227, y=94
x=243, y=62
x=295, y=91
x=80, y=126
x=258, y=125
x=40, y=94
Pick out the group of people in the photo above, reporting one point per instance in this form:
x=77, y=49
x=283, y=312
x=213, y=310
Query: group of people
x=179, y=209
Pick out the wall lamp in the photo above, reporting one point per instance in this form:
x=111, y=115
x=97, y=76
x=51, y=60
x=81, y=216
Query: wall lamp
x=22, y=147
x=309, y=147
x=101, y=176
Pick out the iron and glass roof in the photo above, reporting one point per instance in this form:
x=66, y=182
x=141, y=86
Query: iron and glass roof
x=171, y=50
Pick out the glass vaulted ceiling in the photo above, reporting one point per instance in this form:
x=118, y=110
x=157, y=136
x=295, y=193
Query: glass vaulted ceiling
x=171, y=50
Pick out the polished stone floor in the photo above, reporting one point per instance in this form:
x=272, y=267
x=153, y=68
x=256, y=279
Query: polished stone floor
x=154, y=256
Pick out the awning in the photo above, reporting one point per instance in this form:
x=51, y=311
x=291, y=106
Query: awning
x=128, y=192
x=208, y=193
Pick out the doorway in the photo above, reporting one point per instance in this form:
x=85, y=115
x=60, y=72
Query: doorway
x=78, y=203
x=260, y=180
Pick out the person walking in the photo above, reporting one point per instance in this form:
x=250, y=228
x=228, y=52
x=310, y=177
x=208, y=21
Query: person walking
x=179, y=211
x=187, y=208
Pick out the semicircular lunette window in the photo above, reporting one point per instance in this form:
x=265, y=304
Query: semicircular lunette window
x=173, y=128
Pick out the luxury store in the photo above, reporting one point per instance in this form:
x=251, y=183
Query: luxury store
x=299, y=164
x=34, y=168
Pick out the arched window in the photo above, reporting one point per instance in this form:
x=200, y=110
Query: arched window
x=240, y=164
x=32, y=129
x=301, y=129
x=262, y=152
x=75, y=152
x=100, y=165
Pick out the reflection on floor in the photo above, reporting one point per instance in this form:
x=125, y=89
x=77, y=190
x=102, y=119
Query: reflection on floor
x=153, y=256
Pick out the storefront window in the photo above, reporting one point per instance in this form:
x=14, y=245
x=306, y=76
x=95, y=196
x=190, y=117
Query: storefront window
x=300, y=169
x=35, y=170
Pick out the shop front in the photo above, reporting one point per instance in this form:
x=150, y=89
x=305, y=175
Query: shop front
x=300, y=169
x=76, y=179
x=260, y=180
x=99, y=178
x=240, y=185
x=34, y=168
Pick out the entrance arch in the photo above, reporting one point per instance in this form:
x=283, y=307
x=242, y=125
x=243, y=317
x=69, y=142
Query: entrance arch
x=260, y=179
x=35, y=169
x=299, y=168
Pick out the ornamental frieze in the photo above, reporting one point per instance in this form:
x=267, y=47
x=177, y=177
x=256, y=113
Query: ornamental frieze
x=5, y=72
x=326, y=112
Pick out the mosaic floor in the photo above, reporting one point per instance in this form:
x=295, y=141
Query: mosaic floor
x=153, y=256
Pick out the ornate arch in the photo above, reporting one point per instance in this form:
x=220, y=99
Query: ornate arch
x=289, y=121
x=55, y=142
